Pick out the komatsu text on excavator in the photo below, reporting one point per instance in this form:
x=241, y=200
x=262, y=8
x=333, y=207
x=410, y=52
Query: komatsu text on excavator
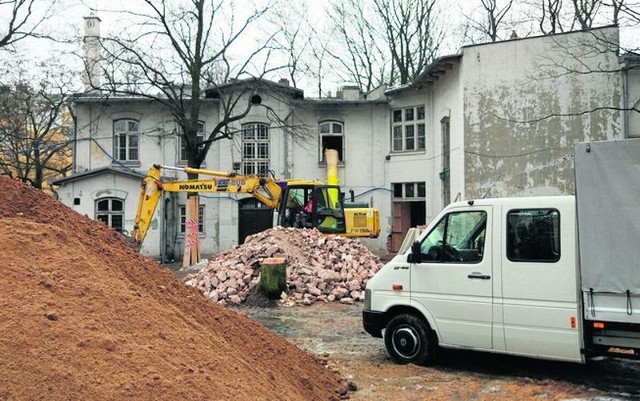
x=299, y=203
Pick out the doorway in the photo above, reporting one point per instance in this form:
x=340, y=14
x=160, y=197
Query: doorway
x=253, y=217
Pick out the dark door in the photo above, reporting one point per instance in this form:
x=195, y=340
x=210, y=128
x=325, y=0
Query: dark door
x=253, y=217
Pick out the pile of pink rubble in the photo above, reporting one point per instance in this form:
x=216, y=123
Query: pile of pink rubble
x=320, y=268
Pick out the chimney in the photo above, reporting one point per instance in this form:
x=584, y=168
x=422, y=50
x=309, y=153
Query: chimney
x=92, y=52
x=350, y=93
x=284, y=82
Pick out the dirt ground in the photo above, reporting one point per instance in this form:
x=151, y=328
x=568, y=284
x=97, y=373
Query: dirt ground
x=334, y=332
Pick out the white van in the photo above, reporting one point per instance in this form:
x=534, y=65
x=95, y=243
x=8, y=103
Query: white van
x=505, y=275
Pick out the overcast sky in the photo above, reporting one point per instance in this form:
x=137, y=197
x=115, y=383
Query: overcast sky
x=69, y=23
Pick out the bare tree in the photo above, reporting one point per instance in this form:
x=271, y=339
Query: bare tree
x=174, y=52
x=295, y=38
x=20, y=19
x=35, y=129
x=551, y=18
x=177, y=50
x=585, y=12
x=391, y=42
x=494, y=17
x=363, y=45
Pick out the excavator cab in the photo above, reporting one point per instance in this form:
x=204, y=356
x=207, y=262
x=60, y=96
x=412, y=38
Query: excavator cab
x=312, y=205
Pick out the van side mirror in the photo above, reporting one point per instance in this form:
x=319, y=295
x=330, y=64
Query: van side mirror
x=415, y=256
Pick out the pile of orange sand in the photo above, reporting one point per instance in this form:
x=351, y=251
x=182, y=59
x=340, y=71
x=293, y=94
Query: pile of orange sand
x=84, y=317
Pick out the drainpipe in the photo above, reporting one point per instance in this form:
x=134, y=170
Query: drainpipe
x=625, y=97
x=286, y=145
x=75, y=138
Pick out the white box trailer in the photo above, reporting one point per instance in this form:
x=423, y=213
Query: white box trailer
x=545, y=277
x=608, y=210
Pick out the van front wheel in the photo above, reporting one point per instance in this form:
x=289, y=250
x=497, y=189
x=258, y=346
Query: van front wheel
x=407, y=340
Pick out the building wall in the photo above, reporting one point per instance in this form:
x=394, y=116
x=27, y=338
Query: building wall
x=528, y=101
x=515, y=110
x=447, y=102
x=295, y=153
x=365, y=142
x=158, y=145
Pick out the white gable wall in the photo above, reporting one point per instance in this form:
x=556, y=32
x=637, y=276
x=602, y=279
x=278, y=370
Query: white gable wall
x=528, y=101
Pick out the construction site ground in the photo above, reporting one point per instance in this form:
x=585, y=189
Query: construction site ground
x=85, y=317
x=334, y=332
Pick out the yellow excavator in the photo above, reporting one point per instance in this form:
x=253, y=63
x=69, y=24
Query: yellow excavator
x=299, y=203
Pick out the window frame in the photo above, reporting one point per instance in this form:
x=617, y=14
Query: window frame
x=182, y=219
x=110, y=212
x=408, y=129
x=443, y=226
x=256, y=143
x=331, y=135
x=403, y=190
x=129, y=136
x=182, y=152
x=513, y=235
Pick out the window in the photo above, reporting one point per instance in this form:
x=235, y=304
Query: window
x=183, y=143
x=110, y=211
x=408, y=129
x=458, y=238
x=126, y=134
x=183, y=219
x=533, y=235
x=255, y=149
x=331, y=137
x=409, y=190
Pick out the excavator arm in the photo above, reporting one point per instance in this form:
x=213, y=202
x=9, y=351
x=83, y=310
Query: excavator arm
x=264, y=189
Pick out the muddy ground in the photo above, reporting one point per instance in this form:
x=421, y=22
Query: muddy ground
x=334, y=331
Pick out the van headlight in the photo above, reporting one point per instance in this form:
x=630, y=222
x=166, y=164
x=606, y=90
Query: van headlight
x=367, y=299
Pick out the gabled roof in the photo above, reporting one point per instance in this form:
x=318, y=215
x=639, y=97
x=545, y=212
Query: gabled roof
x=92, y=173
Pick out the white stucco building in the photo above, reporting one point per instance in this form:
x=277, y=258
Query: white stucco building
x=497, y=119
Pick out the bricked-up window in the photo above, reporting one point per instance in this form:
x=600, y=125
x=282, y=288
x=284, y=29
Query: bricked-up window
x=332, y=137
x=183, y=142
x=255, y=149
x=111, y=212
x=126, y=134
x=408, y=129
x=183, y=218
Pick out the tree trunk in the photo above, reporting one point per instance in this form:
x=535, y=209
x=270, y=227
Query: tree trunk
x=273, y=278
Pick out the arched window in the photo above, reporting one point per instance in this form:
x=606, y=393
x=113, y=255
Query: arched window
x=332, y=137
x=255, y=149
x=126, y=135
x=111, y=212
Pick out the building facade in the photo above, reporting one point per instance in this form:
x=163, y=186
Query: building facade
x=497, y=119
